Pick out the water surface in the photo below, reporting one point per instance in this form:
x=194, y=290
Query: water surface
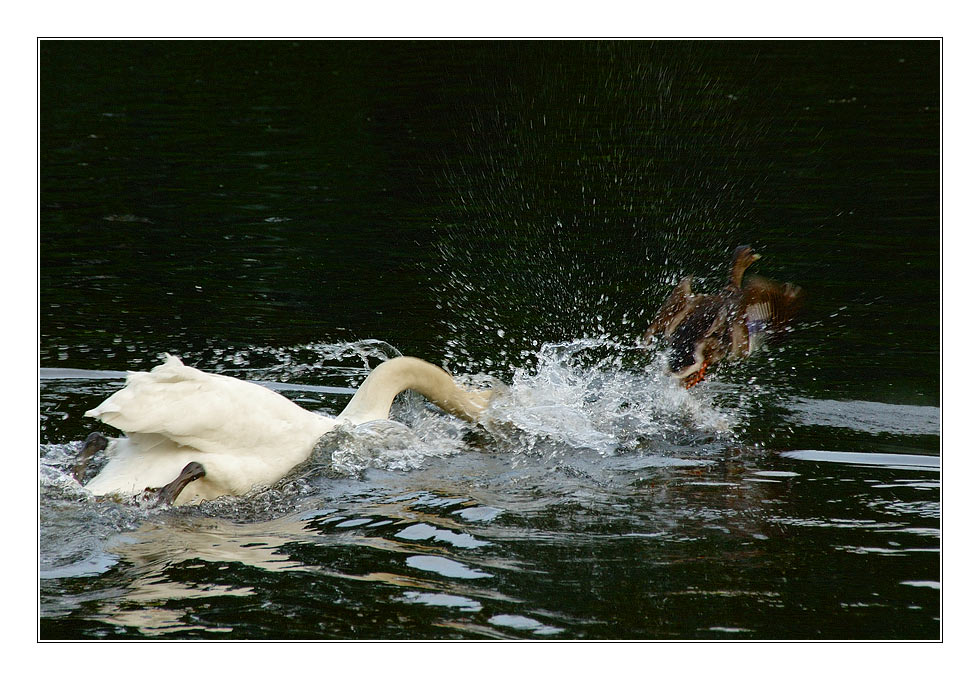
x=295, y=212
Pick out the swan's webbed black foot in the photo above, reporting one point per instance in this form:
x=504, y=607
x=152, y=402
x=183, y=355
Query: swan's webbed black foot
x=94, y=443
x=166, y=495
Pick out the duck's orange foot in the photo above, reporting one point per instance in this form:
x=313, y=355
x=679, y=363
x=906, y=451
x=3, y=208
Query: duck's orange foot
x=693, y=379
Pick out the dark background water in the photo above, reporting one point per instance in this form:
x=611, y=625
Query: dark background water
x=467, y=202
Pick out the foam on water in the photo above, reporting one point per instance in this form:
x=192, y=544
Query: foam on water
x=389, y=444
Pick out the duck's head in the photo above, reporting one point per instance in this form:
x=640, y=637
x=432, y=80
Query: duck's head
x=742, y=258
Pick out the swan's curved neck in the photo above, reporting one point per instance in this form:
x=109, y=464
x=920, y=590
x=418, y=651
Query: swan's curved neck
x=373, y=399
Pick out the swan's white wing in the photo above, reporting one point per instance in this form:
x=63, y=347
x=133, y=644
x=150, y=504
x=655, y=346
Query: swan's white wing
x=205, y=411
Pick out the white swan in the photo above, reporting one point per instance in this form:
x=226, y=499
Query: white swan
x=242, y=434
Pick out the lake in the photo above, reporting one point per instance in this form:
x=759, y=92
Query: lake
x=295, y=212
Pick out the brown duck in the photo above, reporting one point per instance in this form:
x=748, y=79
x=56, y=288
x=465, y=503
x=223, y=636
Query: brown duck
x=701, y=330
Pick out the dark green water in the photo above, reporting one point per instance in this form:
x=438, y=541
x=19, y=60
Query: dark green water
x=517, y=210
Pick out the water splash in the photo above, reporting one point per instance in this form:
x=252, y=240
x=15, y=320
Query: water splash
x=584, y=396
x=390, y=444
x=562, y=225
x=308, y=361
x=73, y=528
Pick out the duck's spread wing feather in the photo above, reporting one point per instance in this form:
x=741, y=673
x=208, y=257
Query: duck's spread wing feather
x=198, y=409
x=770, y=304
x=673, y=311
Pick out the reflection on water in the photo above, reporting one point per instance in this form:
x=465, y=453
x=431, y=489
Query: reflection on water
x=865, y=416
x=158, y=556
x=896, y=461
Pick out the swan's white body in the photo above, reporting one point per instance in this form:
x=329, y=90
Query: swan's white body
x=242, y=433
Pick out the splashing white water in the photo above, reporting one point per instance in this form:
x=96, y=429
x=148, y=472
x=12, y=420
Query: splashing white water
x=390, y=444
x=309, y=361
x=581, y=397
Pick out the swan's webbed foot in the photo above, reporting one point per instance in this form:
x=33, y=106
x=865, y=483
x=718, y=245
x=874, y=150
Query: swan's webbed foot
x=94, y=443
x=166, y=495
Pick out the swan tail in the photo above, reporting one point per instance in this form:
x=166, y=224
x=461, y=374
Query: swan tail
x=202, y=410
x=128, y=409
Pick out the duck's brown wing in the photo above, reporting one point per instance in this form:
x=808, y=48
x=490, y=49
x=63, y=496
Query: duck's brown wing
x=770, y=304
x=672, y=312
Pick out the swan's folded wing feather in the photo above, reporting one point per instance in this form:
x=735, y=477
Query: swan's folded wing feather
x=202, y=410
